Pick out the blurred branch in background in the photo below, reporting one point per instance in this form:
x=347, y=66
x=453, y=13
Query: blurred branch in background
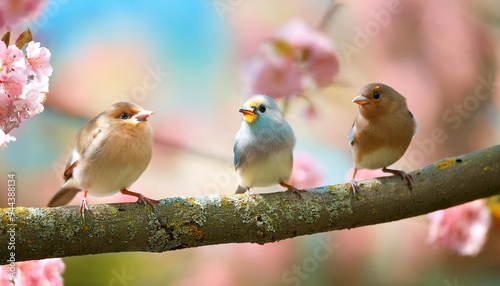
x=185, y=222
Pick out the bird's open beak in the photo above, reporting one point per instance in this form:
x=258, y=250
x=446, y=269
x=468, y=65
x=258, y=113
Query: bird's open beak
x=248, y=115
x=360, y=100
x=143, y=115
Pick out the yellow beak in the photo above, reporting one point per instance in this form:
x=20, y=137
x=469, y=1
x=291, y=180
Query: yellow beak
x=248, y=115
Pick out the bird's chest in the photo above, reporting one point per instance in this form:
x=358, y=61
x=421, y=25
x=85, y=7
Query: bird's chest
x=380, y=144
x=262, y=171
x=112, y=163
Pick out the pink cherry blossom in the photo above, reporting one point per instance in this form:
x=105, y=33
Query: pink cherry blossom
x=314, y=50
x=5, y=138
x=12, y=58
x=461, y=229
x=272, y=76
x=295, y=56
x=323, y=67
x=24, y=81
x=45, y=272
x=14, y=12
x=37, y=59
x=11, y=84
x=29, y=103
x=306, y=173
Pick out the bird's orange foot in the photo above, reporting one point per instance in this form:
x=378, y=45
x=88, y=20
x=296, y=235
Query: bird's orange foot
x=354, y=188
x=145, y=200
x=407, y=177
x=250, y=194
x=84, y=208
x=141, y=198
x=292, y=189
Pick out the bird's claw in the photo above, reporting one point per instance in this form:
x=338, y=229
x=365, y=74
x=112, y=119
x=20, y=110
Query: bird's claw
x=145, y=200
x=354, y=188
x=250, y=194
x=409, y=180
x=292, y=189
x=84, y=208
x=141, y=198
x=407, y=177
x=296, y=191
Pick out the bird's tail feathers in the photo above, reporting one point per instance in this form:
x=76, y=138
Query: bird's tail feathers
x=64, y=195
x=240, y=190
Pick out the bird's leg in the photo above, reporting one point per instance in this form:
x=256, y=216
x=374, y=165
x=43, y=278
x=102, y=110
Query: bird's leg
x=292, y=189
x=84, y=207
x=407, y=177
x=249, y=194
x=141, y=198
x=354, y=186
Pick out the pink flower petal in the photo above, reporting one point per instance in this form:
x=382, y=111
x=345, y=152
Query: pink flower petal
x=306, y=173
x=38, y=61
x=314, y=49
x=35, y=272
x=272, y=76
x=461, y=229
x=4, y=139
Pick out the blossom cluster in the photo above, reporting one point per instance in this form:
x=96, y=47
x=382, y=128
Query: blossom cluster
x=35, y=272
x=15, y=12
x=294, y=59
x=24, y=81
x=462, y=229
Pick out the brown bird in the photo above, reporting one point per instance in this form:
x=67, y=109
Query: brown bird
x=112, y=150
x=382, y=130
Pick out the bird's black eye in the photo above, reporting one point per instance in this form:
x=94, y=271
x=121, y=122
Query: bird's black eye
x=262, y=108
x=376, y=94
x=124, y=115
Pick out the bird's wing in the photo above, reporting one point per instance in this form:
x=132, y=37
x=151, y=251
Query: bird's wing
x=350, y=137
x=69, y=189
x=72, y=162
x=415, y=130
x=236, y=154
x=240, y=190
x=87, y=135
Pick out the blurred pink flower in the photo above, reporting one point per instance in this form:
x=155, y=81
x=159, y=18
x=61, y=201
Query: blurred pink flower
x=45, y=272
x=306, y=173
x=323, y=66
x=5, y=138
x=272, y=76
x=295, y=54
x=37, y=59
x=13, y=12
x=216, y=273
x=461, y=229
x=312, y=49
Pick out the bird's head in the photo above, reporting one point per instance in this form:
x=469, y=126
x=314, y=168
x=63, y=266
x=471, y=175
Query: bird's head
x=377, y=98
x=127, y=114
x=260, y=108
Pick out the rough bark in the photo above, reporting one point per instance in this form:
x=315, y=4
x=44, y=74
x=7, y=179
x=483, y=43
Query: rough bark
x=184, y=222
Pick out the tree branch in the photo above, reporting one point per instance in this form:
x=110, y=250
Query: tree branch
x=185, y=222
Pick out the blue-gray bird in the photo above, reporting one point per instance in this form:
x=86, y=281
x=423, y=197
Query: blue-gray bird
x=263, y=146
